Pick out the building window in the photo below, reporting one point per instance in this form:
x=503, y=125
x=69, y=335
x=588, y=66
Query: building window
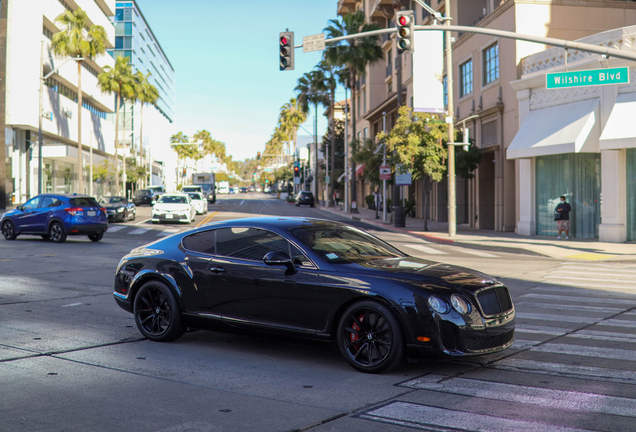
x=491, y=64
x=365, y=134
x=46, y=32
x=445, y=85
x=364, y=100
x=466, y=78
x=389, y=86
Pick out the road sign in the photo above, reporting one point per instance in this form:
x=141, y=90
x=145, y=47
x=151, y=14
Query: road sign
x=385, y=172
x=327, y=179
x=314, y=43
x=586, y=78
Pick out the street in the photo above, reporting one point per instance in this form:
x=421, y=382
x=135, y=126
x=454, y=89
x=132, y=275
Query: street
x=72, y=360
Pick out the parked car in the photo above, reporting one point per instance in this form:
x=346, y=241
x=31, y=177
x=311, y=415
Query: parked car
x=318, y=279
x=173, y=208
x=305, y=198
x=250, y=189
x=144, y=196
x=243, y=190
x=199, y=202
x=119, y=209
x=232, y=190
x=56, y=216
x=267, y=189
x=258, y=189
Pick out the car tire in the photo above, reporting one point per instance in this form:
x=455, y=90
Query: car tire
x=370, y=338
x=134, y=215
x=155, y=222
x=95, y=237
x=8, y=230
x=57, y=233
x=311, y=205
x=125, y=216
x=157, y=313
x=45, y=237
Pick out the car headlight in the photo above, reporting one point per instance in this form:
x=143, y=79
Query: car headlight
x=438, y=304
x=120, y=210
x=460, y=305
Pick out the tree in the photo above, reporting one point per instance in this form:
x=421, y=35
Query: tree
x=78, y=40
x=135, y=172
x=355, y=55
x=184, y=150
x=419, y=142
x=210, y=145
x=291, y=116
x=146, y=94
x=102, y=171
x=117, y=80
x=335, y=141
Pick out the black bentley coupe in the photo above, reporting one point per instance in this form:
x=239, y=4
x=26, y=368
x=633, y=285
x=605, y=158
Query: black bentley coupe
x=318, y=279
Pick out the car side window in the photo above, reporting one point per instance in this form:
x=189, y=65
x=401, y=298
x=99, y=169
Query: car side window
x=31, y=204
x=299, y=258
x=248, y=243
x=49, y=202
x=201, y=242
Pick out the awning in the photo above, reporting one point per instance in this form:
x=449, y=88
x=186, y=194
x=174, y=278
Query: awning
x=360, y=169
x=620, y=130
x=567, y=128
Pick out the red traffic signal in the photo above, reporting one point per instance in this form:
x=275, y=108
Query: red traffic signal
x=296, y=171
x=286, y=53
x=405, y=29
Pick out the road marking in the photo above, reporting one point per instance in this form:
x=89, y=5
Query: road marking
x=579, y=299
x=553, y=331
x=601, y=335
x=241, y=203
x=618, y=323
x=560, y=369
x=584, y=292
x=589, y=256
x=168, y=231
x=425, y=249
x=143, y=221
x=207, y=219
x=438, y=419
x=116, y=228
x=72, y=304
x=597, y=272
x=543, y=397
x=520, y=343
x=587, y=351
x=557, y=318
x=477, y=253
x=568, y=307
x=139, y=231
x=609, y=281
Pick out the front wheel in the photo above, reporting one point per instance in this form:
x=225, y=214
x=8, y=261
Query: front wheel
x=95, y=237
x=134, y=215
x=370, y=337
x=8, y=230
x=57, y=233
x=157, y=313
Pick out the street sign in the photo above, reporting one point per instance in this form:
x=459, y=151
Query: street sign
x=314, y=43
x=403, y=179
x=586, y=78
x=327, y=179
x=385, y=172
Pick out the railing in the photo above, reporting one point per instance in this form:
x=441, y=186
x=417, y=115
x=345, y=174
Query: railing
x=389, y=70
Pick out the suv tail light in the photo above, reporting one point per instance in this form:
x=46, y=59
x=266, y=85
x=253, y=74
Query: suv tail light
x=102, y=209
x=73, y=210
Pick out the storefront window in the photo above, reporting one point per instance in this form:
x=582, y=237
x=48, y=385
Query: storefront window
x=48, y=177
x=631, y=194
x=578, y=178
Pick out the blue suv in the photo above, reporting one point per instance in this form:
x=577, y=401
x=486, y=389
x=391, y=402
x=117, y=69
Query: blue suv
x=56, y=216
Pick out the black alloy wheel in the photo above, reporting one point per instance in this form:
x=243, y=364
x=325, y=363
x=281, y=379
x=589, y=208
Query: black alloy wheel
x=157, y=313
x=134, y=215
x=97, y=236
x=8, y=230
x=57, y=233
x=45, y=236
x=370, y=337
x=125, y=218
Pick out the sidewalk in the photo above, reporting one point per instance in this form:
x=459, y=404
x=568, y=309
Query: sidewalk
x=488, y=240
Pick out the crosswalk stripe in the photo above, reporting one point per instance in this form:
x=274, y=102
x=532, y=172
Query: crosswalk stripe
x=557, y=318
x=553, y=331
x=591, y=279
x=614, y=274
x=561, y=369
x=568, y=307
x=139, y=231
x=579, y=299
x=601, y=335
x=614, y=322
x=590, y=265
x=425, y=249
x=584, y=292
x=588, y=351
x=521, y=343
x=441, y=419
x=116, y=228
x=543, y=397
x=478, y=253
x=168, y=231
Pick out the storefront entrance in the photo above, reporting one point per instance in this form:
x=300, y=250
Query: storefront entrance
x=631, y=194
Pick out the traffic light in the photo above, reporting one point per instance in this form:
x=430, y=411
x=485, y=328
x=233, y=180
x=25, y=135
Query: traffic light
x=258, y=156
x=405, y=30
x=286, y=54
x=296, y=171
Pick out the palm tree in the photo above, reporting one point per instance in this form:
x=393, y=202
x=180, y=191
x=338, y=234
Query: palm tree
x=290, y=117
x=146, y=94
x=77, y=40
x=183, y=151
x=355, y=55
x=210, y=145
x=117, y=80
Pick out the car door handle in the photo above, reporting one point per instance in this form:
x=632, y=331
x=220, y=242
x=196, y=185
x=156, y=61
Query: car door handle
x=217, y=269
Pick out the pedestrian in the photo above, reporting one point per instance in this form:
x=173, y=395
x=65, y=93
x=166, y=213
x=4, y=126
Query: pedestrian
x=562, y=217
x=377, y=200
x=337, y=197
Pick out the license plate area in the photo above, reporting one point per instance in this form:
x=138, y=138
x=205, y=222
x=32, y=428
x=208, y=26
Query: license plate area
x=168, y=216
x=91, y=213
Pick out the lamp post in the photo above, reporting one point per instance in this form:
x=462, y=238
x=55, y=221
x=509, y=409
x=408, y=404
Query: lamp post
x=346, y=137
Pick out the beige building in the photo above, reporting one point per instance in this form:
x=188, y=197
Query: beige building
x=483, y=68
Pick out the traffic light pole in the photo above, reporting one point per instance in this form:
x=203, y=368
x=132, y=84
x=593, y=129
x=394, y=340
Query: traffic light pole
x=452, y=192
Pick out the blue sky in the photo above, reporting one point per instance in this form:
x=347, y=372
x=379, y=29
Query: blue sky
x=225, y=56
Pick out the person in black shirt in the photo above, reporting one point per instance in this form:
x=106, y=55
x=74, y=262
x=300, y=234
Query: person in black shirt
x=562, y=216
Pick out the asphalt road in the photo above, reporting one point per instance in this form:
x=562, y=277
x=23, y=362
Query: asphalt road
x=71, y=360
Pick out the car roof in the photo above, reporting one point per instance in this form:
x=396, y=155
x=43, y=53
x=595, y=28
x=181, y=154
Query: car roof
x=274, y=223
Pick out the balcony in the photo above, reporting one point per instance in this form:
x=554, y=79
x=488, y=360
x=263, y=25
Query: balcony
x=346, y=6
x=381, y=8
x=389, y=70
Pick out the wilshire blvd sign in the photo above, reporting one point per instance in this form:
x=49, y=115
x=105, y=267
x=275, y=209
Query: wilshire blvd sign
x=585, y=78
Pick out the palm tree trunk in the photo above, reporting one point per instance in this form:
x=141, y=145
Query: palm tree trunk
x=117, y=145
x=80, y=156
x=141, y=138
x=333, y=148
x=353, y=140
x=125, y=177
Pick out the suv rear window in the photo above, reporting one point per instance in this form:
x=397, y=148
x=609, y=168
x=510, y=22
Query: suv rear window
x=142, y=192
x=83, y=202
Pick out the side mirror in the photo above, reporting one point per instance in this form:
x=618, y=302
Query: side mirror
x=153, y=202
x=278, y=258
x=20, y=207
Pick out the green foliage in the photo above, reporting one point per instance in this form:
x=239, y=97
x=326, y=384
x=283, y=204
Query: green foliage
x=466, y=162
x=370, y=199
x=76, y=38
x=103, y=170
x=134, y=173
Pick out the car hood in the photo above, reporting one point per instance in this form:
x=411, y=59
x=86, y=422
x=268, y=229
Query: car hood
x=171, y=207
x=421, y=271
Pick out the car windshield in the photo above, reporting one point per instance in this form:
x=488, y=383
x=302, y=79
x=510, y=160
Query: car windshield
x=195, y=196
x=341, y=244
x=205, y=187
x=142, y=192
x=172, y=199
x=115, y=200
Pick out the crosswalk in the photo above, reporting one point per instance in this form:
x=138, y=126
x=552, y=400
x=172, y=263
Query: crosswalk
x=429, y=250
x=572, y=368
x=593, y=275
x=134, y=230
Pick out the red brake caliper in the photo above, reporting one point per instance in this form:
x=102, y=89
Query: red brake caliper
x=354, y=337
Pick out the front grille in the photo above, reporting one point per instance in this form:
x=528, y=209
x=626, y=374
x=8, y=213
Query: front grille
x=494, y=300
x=487, y=342
x=447, y=335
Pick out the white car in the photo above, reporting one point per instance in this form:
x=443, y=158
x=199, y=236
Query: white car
x=173, y=208
x=200, y=203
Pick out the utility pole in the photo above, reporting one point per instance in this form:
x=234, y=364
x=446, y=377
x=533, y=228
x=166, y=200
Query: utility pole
x=346, y=165
x=40, y=118
x=384, y=164
x=398, y=210
x=452, y=198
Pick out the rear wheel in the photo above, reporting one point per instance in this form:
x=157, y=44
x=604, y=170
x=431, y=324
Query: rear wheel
x=57, y=233
x=8, y=230
x=370, y=337
x=45, y=236
x=95, y=237
x=157, y=313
